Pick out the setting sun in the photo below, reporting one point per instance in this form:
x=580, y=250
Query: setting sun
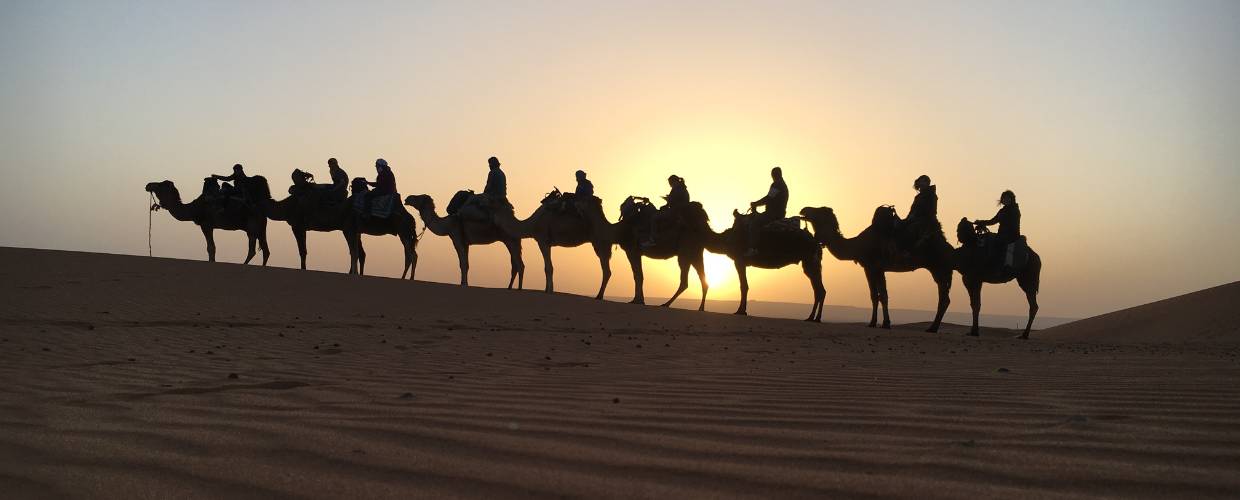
x=719, y=269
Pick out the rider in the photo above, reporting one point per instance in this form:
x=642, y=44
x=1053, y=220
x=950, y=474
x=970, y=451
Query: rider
x=585, y=188
x=677, y=199
x=1008, y=220
x=384, y=184
x=238, y=179
x=923, y=213
x=210, y=187
x=776, y=203
x=496, y=190
x=340, y=180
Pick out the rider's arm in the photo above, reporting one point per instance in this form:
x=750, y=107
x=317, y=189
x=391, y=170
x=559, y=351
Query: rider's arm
x=765, y=199
x=991, y=221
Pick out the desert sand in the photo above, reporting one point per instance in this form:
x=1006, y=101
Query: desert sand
x=135, y=377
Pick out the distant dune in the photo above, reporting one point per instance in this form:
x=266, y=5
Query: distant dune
x=1207, y=316
x=135, y=377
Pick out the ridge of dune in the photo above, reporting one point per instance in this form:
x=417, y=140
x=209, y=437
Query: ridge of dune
x=138, y=377
x=1204, y=316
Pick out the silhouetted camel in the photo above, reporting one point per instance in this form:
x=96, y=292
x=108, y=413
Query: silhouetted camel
x=775, y=249
x=464, y=233
x=209, y=216
x=876, y=254
x=977, y=265
x=552, y=227
x=400, y=223
x=686, y=242
x=313, y=209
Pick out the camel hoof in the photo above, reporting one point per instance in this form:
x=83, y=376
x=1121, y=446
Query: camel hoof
x=933, y=329
x=666, y=304
x=741, y=313
x=886, y=326
x=1024, y=336
x=973, y=333
x=638, y=302
x=872, y=325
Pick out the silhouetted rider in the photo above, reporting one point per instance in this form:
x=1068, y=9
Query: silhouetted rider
x=384, y=184
x=238, y=179
x=677, y=200
x=340, y=180
x=921, y=215
x=1008, y=220
x=585, y=188
x=496, y=190
x=776, y=203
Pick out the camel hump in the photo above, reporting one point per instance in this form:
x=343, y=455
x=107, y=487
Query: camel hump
x=885, y=215
x=458, y=200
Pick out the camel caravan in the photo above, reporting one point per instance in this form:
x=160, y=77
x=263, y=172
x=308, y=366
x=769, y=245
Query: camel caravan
x=679, y=229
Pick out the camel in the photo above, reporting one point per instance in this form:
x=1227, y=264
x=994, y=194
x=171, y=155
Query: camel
x=308, y=209
x=775, y=249
x=465, y=232
x=400, y=223
x=686, y=242
x=977, y=266
x=552, y=227
x=877, y=256
x=234, y=215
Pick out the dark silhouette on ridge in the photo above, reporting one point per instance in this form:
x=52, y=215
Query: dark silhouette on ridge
x=876, y=250
x=782, y=243
x=684, y=239
x=379, y=215
x=465, y=231
x=975, y=259
x=224, y=212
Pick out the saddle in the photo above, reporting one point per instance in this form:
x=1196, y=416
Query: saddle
x=381, y=206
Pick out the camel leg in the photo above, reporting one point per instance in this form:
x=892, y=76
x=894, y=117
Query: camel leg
x=603, y=251
x=210, y=237
x=975, y=302
x=300, y=236
x=639, y=278
x=518, y=266
x=462, y=255
x=684, y=280
x=355, y=245
x=262, y=245
x=1028, y=282
x=548, y=268
x=700, y=265
x=361, y=256
x=740, y=273
x=411, y=255
x=814, y=273
x=250, y=253
x=944, y=282
x=878, y=296
x=870, y=283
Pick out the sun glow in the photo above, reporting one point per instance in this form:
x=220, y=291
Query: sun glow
x=719, y=269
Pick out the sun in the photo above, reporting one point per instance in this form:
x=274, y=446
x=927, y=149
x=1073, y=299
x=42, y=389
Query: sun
x=719, y=269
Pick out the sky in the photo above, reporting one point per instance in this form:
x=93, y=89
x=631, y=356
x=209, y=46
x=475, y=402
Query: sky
x=1115, y=122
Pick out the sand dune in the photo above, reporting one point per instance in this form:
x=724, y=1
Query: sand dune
x=1206, y=316
x=133, y=377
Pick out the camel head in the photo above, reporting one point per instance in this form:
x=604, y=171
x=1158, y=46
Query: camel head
x=966, y=234
x=359, y=185
x=162, y=189
x=420, y=202
x=823, y=218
